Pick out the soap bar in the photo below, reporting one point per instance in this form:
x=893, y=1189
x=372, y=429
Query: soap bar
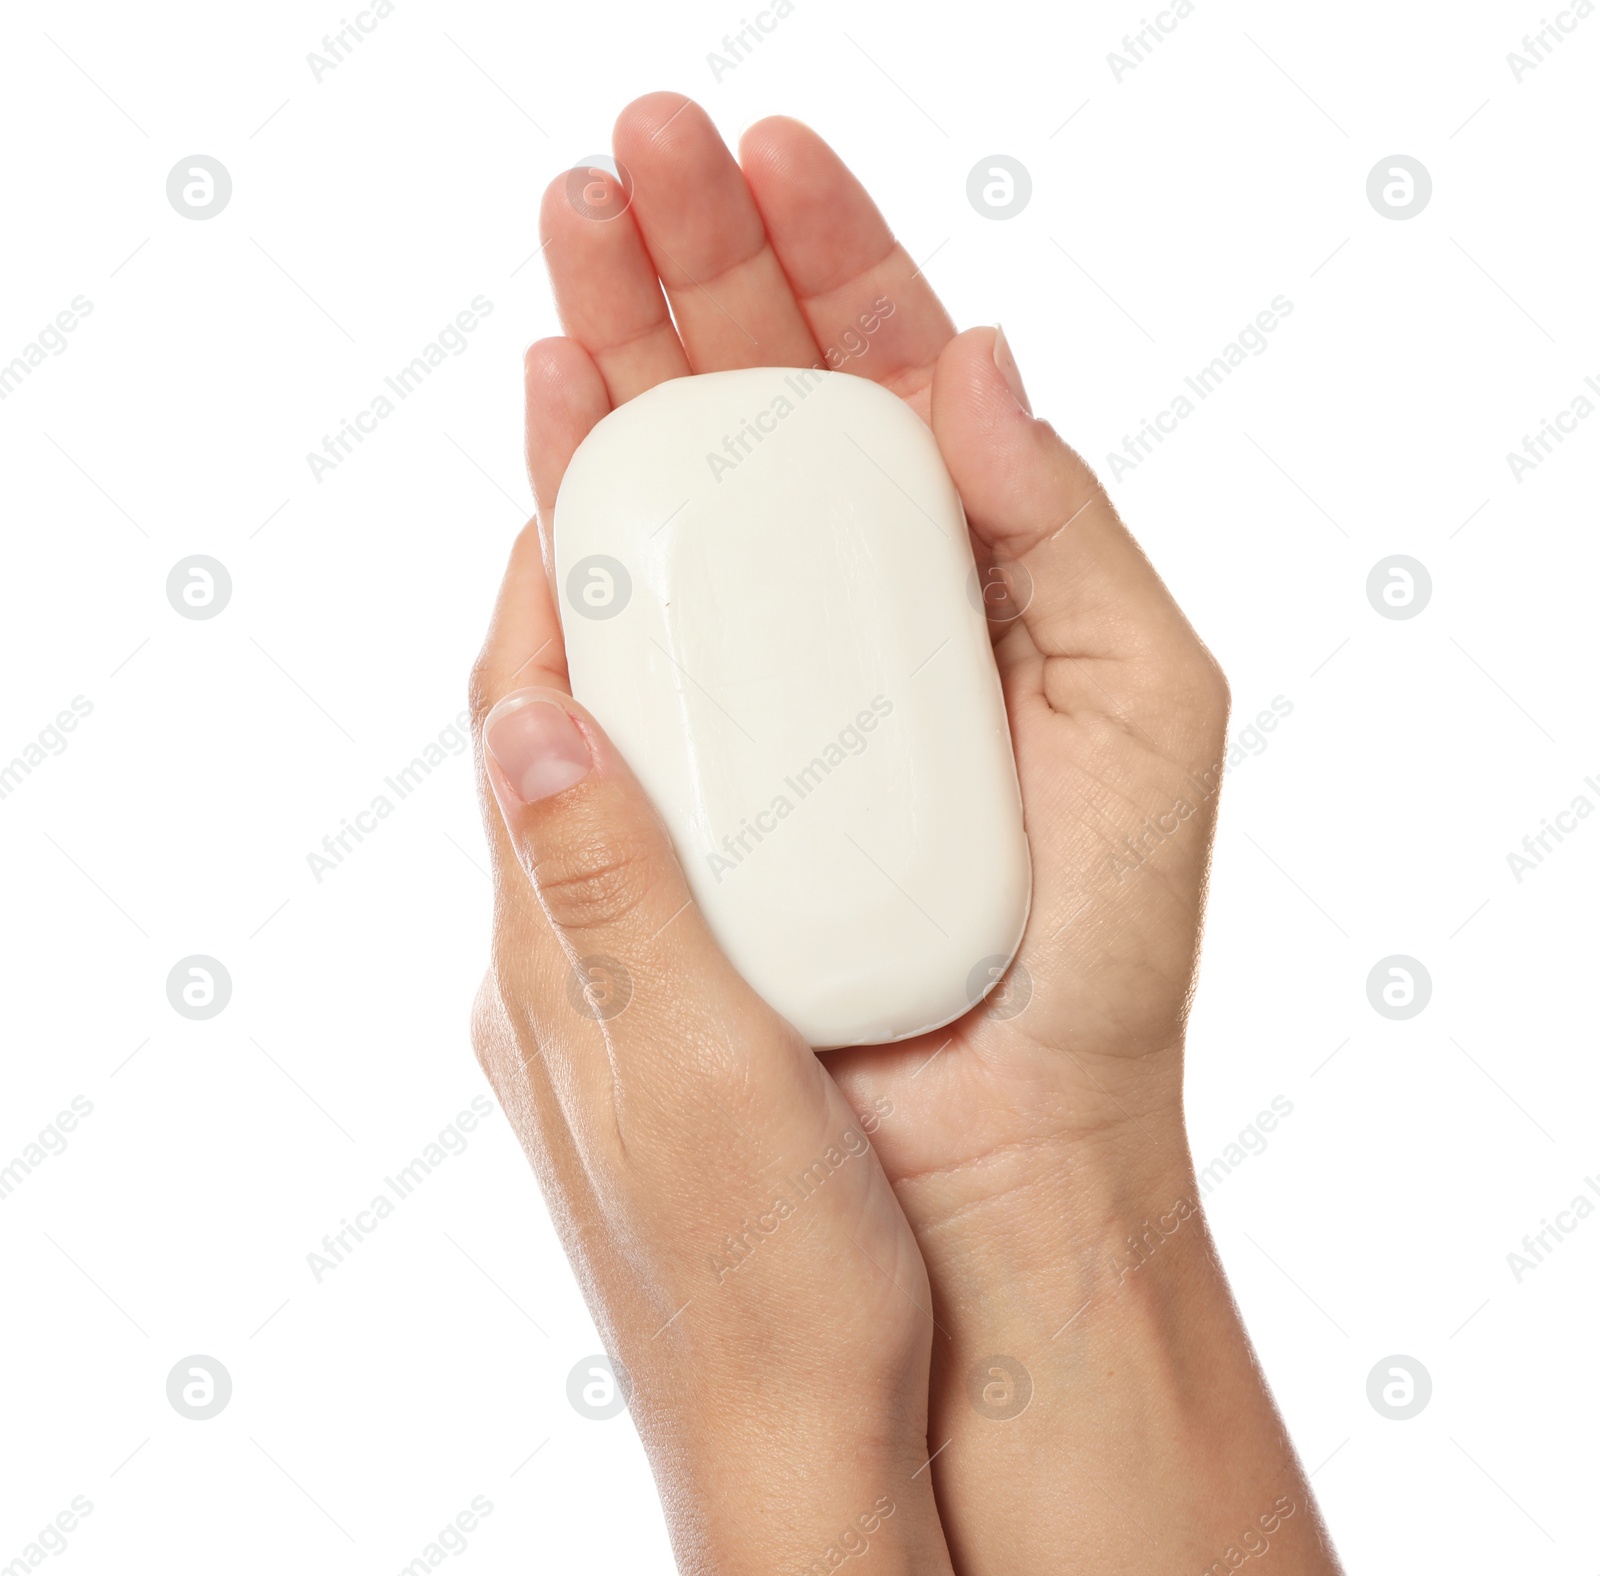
x=769, y=602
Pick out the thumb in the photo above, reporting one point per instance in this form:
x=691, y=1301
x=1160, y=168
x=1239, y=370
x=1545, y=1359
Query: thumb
x=1083, y=584
x=602, y=865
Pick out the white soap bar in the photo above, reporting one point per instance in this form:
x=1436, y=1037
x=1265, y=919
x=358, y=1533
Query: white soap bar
x=770, y=604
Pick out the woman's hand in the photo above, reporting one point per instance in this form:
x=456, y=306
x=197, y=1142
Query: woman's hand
x=1026, y=1144
x=736, y=1237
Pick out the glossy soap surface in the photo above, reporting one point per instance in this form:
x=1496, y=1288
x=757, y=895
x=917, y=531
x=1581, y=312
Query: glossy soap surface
x=769, y=602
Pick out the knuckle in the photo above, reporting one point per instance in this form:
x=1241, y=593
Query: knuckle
x=1216, y=693
x=480, y=695
x=1203, y=687
x=495, y=1042
x=594, y=880
x=486, y=1020
x=504, y=1039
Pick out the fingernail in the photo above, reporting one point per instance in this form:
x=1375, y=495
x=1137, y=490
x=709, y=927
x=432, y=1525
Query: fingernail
x=537, y=745
x=1007, y=364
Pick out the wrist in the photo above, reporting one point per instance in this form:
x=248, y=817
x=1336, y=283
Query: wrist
x=1040, y=1212
x=782, y=1496
x=1124, y=1362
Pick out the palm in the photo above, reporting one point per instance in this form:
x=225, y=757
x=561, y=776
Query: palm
x=1104, y=970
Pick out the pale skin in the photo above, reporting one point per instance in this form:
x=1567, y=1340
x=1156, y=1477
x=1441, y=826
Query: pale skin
x=990, y=1175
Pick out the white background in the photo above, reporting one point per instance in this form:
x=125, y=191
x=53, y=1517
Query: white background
x=367, y=210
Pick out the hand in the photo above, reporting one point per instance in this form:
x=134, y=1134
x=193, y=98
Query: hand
x=739, y=1245
x=738, y=1242
x=1024, y=1146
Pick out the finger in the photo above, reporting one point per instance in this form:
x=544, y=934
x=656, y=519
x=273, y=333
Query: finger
x=600, y=861
x=733, y=305
x=606, y=287
x=1087, y=589
x=533, y=1012
x=565, y=396
x=841, y=260
x=527, y=957
x=524, y=643
x=523, y=646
